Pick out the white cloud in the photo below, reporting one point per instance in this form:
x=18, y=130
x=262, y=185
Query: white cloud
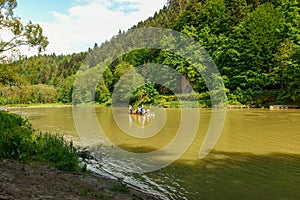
x=96, y=21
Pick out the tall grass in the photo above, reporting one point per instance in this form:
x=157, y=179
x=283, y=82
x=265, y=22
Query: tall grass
x=19, y=141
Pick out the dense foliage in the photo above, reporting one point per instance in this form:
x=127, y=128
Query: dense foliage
x=255, y=44
x=39, y=79
x=19, y=141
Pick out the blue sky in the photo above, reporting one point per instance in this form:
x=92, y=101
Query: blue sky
x=41, y=10
x=75, y=25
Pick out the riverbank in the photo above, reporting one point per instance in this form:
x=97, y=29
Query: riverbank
x=174, y=104
x=36, y=105
x=170, y=104
x=37, y=181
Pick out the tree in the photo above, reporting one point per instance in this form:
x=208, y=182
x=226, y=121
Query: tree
x=19, y=34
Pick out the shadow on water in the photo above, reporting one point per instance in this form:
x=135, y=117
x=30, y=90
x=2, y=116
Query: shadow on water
x=137, y=149
x=224, y=175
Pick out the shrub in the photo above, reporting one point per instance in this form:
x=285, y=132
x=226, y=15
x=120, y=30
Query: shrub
x=19, y=141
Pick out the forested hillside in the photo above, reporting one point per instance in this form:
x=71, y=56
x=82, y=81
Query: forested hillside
x=254, y=43
x=39, y=79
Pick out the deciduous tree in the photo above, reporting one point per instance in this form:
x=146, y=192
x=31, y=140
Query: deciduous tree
x=16, y=32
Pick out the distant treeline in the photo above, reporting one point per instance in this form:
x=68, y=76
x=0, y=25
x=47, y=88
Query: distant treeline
x=254, y=43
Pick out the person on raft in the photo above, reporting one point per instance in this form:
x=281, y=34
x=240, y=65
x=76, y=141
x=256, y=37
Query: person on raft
x=130, y=109
x=142, y=110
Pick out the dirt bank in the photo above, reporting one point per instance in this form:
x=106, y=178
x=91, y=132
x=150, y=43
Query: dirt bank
x=36, y=181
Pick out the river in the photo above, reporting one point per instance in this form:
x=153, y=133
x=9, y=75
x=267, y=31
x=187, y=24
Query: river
x=256, y=157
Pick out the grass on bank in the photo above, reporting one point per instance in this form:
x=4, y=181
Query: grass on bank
x=19, y=141
x=36, y=105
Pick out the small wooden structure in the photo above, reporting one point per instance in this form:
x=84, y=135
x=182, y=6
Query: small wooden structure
x=279, y=107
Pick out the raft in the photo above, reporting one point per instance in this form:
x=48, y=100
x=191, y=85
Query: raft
x=147, y=113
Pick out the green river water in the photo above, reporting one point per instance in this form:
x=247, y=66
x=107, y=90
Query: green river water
x=256, y=157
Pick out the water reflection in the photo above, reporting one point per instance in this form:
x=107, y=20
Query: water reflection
x=134, y=125
x=140, y=120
